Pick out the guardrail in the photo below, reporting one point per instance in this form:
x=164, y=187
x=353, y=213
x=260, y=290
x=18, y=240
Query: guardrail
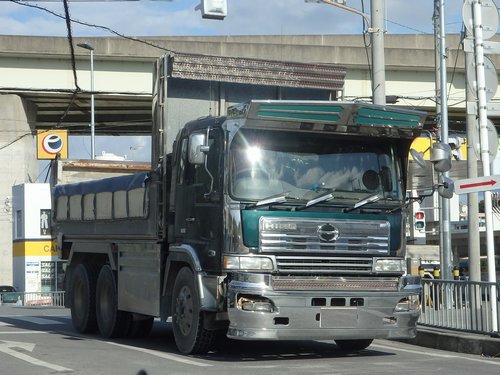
x=53, y=299
x=459, y=304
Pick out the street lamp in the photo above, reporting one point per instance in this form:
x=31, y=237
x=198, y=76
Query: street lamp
x=92, y=109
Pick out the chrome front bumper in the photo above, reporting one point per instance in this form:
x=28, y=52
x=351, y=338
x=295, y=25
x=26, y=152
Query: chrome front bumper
x=319, y=313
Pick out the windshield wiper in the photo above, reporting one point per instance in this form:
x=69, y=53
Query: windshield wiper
x=364, y=201
x=273, y=199
x=321, y=198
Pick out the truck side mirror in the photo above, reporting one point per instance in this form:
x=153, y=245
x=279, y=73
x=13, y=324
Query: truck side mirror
x=197, y=149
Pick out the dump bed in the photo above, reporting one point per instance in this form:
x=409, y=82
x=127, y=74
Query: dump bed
x=115, y=206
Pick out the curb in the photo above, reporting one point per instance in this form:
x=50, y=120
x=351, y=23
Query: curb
x=460, y=342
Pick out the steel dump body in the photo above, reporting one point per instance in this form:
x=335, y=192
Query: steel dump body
x=283, y=220
x=99, y=206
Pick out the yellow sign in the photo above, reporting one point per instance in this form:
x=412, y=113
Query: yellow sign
x=423, y=145
x=49, y=143
x=34, y=249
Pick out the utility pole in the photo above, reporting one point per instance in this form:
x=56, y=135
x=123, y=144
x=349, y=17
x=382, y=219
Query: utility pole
x=377, y=31
x=481, y=21
x=485, y=152
x=444, y=204
x=472, y=198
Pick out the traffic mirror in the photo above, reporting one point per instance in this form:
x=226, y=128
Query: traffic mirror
x=441, y=157
x=446, y=188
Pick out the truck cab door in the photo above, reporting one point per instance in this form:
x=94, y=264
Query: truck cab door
x=198, y=206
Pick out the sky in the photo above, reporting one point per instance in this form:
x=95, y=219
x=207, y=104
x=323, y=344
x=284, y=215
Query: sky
x=179, y=18
x=245, y=17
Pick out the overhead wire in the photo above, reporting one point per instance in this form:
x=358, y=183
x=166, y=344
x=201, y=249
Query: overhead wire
x=15, y=140
x=83, y=23
x=460, y=41
x=77, y=89
x=70, y=42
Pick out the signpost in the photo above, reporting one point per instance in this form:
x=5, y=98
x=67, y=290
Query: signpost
x=475, y=185
x=481, y=20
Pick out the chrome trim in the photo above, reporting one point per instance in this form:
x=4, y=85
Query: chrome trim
x=323, y=265
x=336, y=283
x=349, y=236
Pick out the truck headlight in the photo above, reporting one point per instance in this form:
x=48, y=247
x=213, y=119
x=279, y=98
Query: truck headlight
x=410, y=303
x=389, y=265
x=248, y=263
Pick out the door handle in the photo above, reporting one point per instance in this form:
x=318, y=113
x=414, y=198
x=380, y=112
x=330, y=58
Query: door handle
x=190, y=219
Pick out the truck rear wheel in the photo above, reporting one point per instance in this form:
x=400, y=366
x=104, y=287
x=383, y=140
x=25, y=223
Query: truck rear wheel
x=187, y=318
x=111, y=321
x=354, y=345
x=83, y=285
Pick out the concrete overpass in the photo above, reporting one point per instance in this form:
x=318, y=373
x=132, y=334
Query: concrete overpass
x=39, y=70
x=37, y=83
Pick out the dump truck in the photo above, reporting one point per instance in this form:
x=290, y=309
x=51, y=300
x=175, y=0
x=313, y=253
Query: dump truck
x=281, y=220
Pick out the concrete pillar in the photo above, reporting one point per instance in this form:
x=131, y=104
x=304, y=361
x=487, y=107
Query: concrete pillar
x=18, y=164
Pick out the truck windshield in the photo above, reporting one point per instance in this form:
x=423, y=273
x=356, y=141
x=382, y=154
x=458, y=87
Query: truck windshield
x=306, y=165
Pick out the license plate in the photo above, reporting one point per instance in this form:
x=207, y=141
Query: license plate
x=339, y=317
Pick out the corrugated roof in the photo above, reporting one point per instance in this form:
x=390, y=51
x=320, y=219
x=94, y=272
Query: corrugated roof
x=257, y=71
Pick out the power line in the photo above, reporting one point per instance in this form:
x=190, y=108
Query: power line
x=83, y=23
x=70, y=41
x=77, y=89
x=15, y=140
x=406, y=27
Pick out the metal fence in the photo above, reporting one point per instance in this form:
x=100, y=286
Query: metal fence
x=460, y=305
x=55, y=299
x=451, y=304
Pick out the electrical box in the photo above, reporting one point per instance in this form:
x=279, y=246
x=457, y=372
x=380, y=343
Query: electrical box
x=214, y=9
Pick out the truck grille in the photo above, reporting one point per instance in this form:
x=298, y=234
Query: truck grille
x=351, y=284
x=279, y=235
x=290, y=265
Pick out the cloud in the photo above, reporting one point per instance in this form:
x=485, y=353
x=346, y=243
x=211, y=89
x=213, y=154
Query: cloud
x=163, y=18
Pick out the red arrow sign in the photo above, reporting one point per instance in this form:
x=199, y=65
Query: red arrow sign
x=477, y=184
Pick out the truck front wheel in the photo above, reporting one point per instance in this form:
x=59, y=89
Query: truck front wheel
x=187, y=319
x=111, y=321
x=83, y=285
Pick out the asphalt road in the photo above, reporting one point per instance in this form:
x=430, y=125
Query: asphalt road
x=42, y=341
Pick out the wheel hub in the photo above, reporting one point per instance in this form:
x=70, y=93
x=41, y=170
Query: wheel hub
x=184, y=310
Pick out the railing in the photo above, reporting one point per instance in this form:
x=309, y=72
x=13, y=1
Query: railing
x=459, y=304
x=54, y=299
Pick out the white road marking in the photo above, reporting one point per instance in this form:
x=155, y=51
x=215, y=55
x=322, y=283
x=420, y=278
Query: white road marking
x=171, y=357
x=413, y=351
x=4, y=324
x=7, y=348
x=37, y=320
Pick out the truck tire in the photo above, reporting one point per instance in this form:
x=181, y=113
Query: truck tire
x=111, y=321
x=83, y=287
x=187, y=319
x=353, y=345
